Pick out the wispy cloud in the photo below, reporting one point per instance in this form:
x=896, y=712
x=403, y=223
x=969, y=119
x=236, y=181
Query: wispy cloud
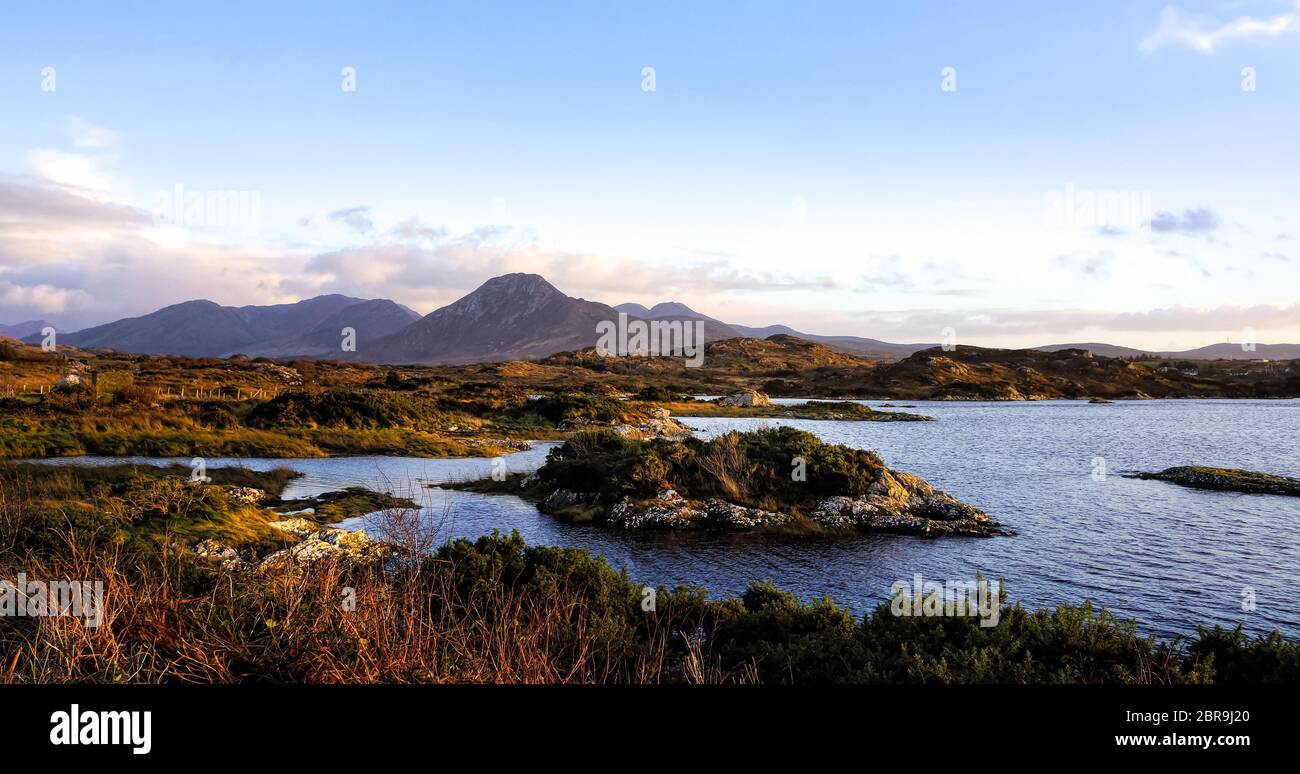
x=1177, y=27
x=355, y=218
x=1092, y=265
x=28, y=202
x=1191, y=222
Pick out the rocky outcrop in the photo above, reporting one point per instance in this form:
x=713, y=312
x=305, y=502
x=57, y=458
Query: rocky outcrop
x=318, y=544
x=902, y=502
x=658, y=424
x=898, y=502
x=1226, y=480
x=747, y=398
x=314, y=544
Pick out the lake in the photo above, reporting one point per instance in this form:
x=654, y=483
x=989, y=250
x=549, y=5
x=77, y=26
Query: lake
x=1169, y=556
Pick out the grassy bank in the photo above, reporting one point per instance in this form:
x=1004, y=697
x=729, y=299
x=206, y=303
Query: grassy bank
x=299, y=423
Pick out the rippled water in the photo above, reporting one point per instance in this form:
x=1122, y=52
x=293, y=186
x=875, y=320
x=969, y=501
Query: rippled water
x=1169, y=556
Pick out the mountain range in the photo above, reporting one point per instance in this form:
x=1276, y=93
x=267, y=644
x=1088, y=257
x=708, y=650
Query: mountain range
x=311, y=328
x=511, y=317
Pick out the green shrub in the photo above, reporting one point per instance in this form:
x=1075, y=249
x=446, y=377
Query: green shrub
x=659, y=394
x=580, y=406
x=752, y=468
x=349, y=409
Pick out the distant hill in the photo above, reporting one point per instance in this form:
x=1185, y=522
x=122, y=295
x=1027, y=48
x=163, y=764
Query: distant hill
x=28, y=328
x=1223, y=351
x=371, y=320
x=1108, y=350
x=716, y=330
x=853, y=345
x=1234, y=352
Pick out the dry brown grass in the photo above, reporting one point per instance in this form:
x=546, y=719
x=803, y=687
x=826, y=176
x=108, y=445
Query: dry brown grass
x=728, y=464
x=166, y=619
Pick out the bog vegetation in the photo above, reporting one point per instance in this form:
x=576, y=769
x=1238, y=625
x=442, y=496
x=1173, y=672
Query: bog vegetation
x=754, y=469
x=496, y=609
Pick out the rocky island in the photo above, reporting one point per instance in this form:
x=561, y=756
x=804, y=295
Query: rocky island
x=776, y=480
x=1225, y=480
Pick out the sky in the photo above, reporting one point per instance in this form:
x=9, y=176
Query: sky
x=1005, y=173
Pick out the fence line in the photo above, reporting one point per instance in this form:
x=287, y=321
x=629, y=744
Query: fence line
x=183, y=393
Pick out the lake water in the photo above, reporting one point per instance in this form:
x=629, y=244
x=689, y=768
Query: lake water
x=1169, y=556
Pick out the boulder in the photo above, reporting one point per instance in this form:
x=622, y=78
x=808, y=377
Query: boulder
x=747, y=398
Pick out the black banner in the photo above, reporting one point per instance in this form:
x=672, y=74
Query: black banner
x=299, y=724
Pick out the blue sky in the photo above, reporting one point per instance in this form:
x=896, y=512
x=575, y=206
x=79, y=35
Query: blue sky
x=797, y=163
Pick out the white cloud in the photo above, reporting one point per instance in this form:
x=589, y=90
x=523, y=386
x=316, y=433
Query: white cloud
x=42, y=299
x=82, y=259
x=1178, y=27
x=72, y=169
x=87, y=135
x=975, y=324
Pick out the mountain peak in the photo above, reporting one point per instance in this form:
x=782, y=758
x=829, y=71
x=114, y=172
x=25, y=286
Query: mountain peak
x=518, y=282
x=513, y=316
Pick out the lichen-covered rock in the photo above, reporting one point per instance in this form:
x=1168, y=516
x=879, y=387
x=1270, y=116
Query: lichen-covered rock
x=213, y=551
x=656, y=514
x=296, y=527
x=69, y=381
x=245, y=495
x=658, y=423
x=326, y=544
x=670, y=510
x=731, y=516
x=921, y=511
